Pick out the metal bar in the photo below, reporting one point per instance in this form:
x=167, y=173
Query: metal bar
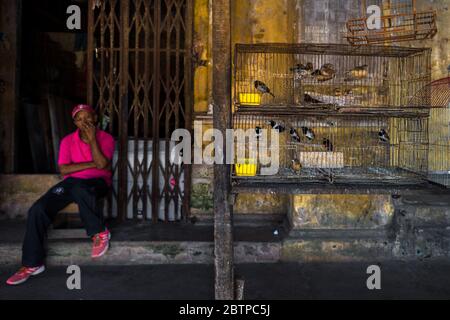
x=90, y=54
x=146, y=106
x=223, y=221
x=168, y=87
x=188, y=96
x=123, y=114
x=156, y=115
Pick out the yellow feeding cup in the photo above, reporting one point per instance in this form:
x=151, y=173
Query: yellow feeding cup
x=246, y=167
x=250, y=99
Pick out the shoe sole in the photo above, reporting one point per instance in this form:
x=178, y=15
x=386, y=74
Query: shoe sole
x=104, y=251
x=38, y=271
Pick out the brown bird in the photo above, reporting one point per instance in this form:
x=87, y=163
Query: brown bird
x=296, y=165
x=302, y=69
x=325, y=73
x=357, y=73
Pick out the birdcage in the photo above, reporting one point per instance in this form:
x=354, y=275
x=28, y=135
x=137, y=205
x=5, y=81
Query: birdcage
x=336, y=115
x=399, y=21
x=330, y=146
x=438, y=92
x=305, y=75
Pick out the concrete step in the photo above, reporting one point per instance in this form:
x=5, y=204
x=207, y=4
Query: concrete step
x=67, y=252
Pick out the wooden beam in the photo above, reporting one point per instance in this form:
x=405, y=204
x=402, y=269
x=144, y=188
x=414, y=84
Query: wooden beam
x=223, y=226
x=10, y=28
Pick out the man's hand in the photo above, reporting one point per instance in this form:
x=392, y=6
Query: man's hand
x=89, y=131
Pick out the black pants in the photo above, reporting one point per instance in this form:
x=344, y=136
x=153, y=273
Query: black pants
x=84, y=192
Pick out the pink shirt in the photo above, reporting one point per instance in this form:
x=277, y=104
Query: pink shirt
x=74, y=150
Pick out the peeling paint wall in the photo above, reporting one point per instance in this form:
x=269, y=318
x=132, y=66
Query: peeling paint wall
x=340, y=211
x=440, y=55
x=323, y=21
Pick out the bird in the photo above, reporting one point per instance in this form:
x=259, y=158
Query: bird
x=258, y=131
x=327, y=70
x=327, y=175
x=357, y=73
x=327, y=144
x=308, y=99
x=322, y=78
x=325, y=73
x=338, y=92
x=302, y=70
x=294, y=135
x=262, y=87
x=308, y=133
x=296, y=165
x=276, y=126
x=383, y=135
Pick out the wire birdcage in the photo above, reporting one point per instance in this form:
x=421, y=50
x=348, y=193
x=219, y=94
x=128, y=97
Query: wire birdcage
x=310, y=74
x=368, y=122
x=399, y=21
x=438, y=92
x=336, y=147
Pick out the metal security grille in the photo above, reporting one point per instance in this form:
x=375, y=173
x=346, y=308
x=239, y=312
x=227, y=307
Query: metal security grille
x=139, y=80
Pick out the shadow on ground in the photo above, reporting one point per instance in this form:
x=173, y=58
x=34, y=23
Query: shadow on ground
x=399, y=280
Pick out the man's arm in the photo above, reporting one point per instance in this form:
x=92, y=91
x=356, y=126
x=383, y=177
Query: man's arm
x=66, y=169
x=101, y=162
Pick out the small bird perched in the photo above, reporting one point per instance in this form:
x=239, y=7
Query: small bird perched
x=262, y=87
x=294, y=135
x=276, y=126
x=325, y=73
x=296, y=165
x=338, y=92
x=308, y=133
x=327, y=70
x=357, y=73
x=383, y=135
x=258, y=131
x=327, y=144
x=302, y=70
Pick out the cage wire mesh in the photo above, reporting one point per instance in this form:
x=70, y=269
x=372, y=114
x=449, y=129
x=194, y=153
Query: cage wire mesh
x=347, y=114
x=439, y=129
x=344, y=148
x=329, y=74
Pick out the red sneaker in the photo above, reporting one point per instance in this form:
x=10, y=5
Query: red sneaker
x=101, y=243
x=23, y=274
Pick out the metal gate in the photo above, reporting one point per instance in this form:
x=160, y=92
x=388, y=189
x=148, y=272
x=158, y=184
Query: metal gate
x=140, y=81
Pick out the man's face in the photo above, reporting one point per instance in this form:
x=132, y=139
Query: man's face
x=85, y=117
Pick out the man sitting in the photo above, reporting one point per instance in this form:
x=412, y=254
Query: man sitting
x=85, y=163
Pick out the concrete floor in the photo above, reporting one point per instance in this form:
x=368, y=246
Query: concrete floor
x=399, y=280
